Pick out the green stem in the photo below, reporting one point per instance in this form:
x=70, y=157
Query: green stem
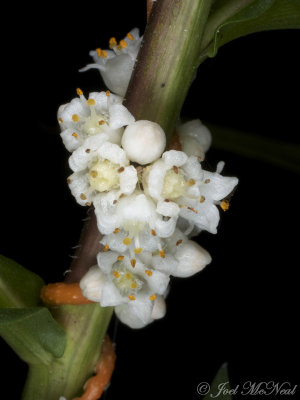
x=85, y=327
x=167, y=61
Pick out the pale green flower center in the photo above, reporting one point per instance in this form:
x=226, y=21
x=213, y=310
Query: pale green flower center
x=126, y=281
x=174, y=184
x=95, y=123
x=104, y=176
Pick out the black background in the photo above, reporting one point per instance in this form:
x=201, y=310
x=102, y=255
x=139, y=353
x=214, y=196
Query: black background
x=243, y=307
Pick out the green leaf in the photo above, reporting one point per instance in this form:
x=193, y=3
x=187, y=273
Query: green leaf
x=276, y=152
x=220, y=382
x=232, y=19
x=18, y=286
x=32, y=333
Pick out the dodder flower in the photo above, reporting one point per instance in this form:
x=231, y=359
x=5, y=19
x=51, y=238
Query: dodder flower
x=181, y=187
x=101, y=114
x=116, y=65
x=195, y=138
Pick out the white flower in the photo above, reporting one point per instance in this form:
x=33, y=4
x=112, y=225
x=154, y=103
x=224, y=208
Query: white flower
x=143, y=141
x=102, y=114
x=195, y=138
x=133, y=216
x=135, y=292
x=116, y=65
x=100, y=168
x=181, y=187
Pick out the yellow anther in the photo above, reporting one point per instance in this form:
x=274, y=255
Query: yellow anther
x=79, y=92
x=104, y=54
x=83, y=196
x=130, y=37
x=88, y=204
x=207, y=181
x=107, y=93
x=128, y=276
x=106, y=247
x=127, y=241
x=153, y=297
x=69, y=181
x=175, y=169
x=224, y=205
x=133, y=262
x=202, y=199
x=98, y=51
x=178, y=242
x=192, y=209
x=153, y=232
x=112, y=42
x=60, y=120
x=94, y=174
x=131, y=297
x=138, y=250
x=120, y=258
x=133, y=285
x=162, y=254
x=116, y=274
x=191, y=182
x=91, y=102
x=123, y=44
x=148, y=272
x=102, y=122
x=75, y=135
x=75, y=118
x=121, y=169
x=116, y=231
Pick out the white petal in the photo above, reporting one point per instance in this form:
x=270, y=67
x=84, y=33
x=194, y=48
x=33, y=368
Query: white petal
x=219, y=186
x=106, y=260
x=135, y=314
x=92, y=284
x=118, y=72
x=128, y=180
x=79, y=186
x=155, y=179
x=192, y=258
x=192, y=168
x=113, y=153
x=115, y=242
x=119, y=116
x=159, y=308
x=110, y=296
x=167, y=265
x=158, y=281
x=196, y=130
x=165, y=228
x=168, y=208
x=71, y=141
x=174, y=157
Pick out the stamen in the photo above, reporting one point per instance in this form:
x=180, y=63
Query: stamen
x=69, y=181
x=192, y=209
x=60, y=120
x=102, y=122
x=98, y=51
x=202, y=199
x=123, y=44
x=88, y=204
x=175, y=169
x=91, y=102
x=133, y=262
x=115, y=201
x=116, y=274
x=148, y=272
x=153, y=297
x=121, y=169
x=75, y=118
x=75, y=135
x=130, y=37
x=94, y=174
x=116, y=231
x=131, y=297
x=207, y=181
x=138, y=250
x=88, y=150
x=104, y=54
x=128, y=276
x=178, y=242
x=127, y=241
x=106, y=247
x=162, y=253
x=153, y=232
x=107, y=93
x=224, y=205
x=120, y=258
x=112, y=42
x=191, y=182
x=79, y=92
x=133, y=285
x=83, y=196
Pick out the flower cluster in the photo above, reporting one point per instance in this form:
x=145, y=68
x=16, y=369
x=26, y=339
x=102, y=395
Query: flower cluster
x=148, y=202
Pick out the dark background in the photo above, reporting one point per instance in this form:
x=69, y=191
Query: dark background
x=243, y=308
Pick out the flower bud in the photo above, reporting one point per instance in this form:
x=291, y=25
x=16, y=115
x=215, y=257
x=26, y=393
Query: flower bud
x=143, y=141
